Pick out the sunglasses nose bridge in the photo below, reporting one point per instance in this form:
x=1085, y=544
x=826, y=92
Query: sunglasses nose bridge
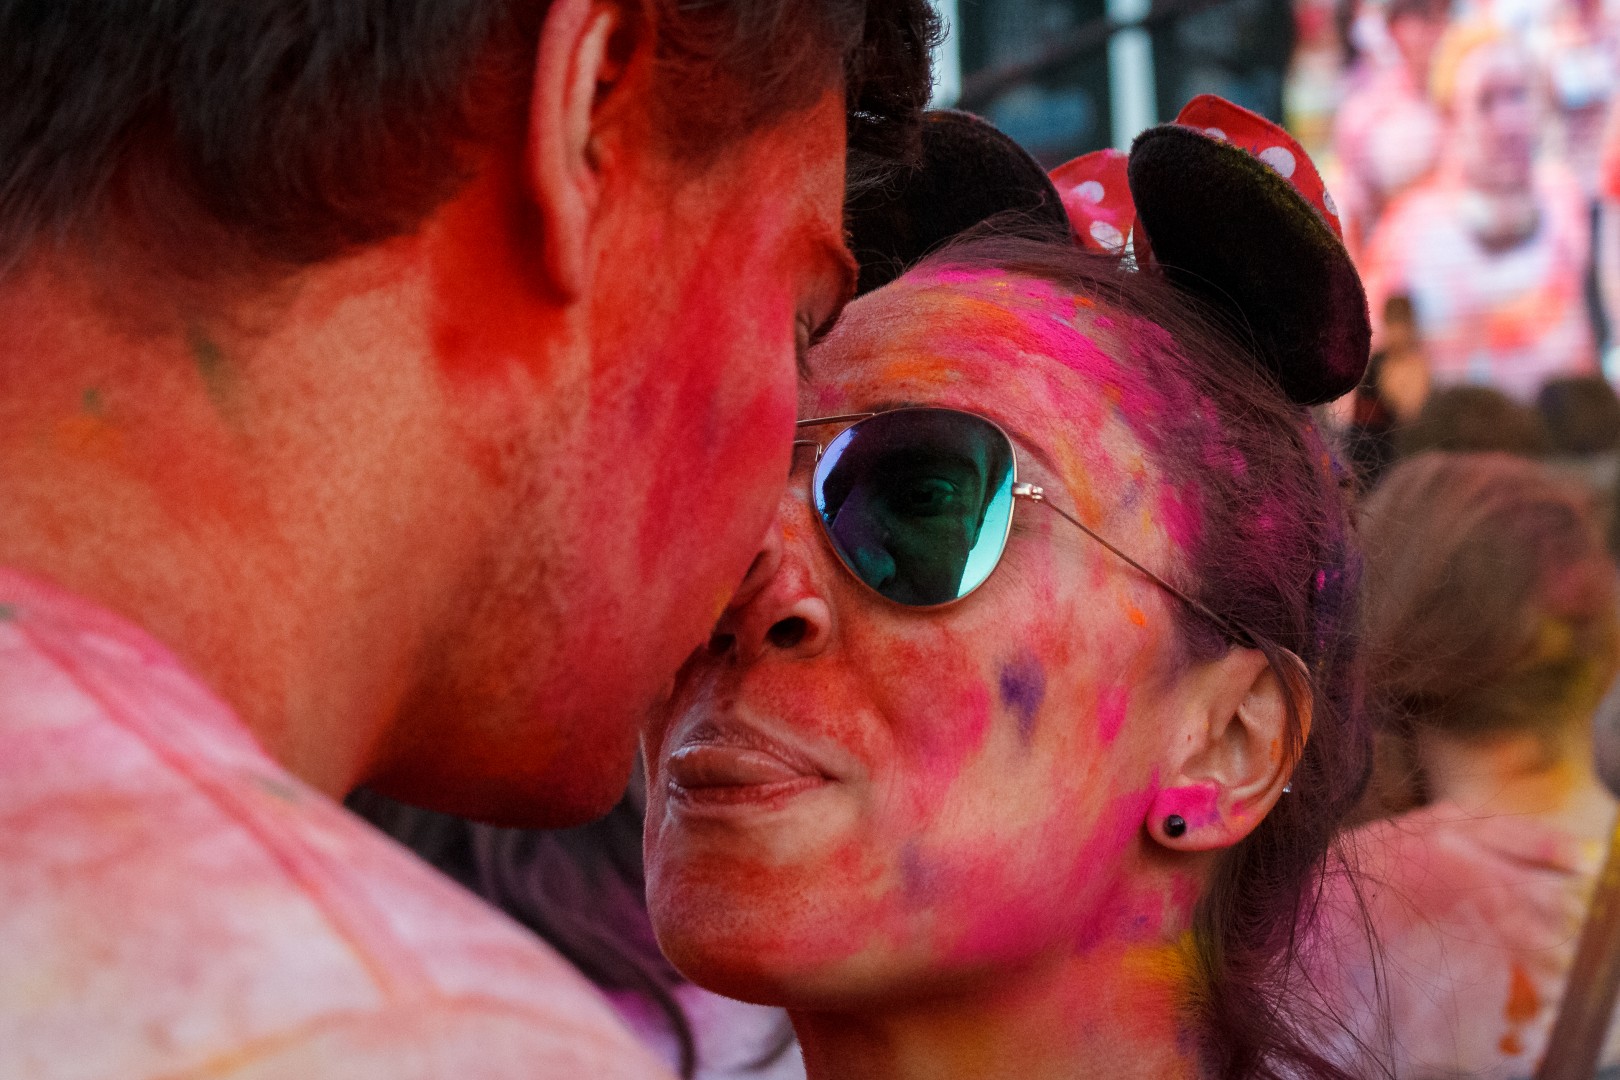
x=800, y=445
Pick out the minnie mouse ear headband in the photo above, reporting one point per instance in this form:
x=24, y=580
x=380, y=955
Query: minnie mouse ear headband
x=966, y=173
x=1228, y=207
x=1223, y=203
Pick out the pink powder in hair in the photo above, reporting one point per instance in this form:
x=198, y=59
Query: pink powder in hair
x=1180, y=516
x=960, y=276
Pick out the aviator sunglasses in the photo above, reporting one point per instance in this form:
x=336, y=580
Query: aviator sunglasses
x=918, y=503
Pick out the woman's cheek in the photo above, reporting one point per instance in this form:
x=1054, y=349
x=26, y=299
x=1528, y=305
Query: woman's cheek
x=939, y=703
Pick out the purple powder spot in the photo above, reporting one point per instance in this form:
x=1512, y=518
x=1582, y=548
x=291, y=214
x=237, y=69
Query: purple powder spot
x=1321, y=580
x=1111, y=712
x=1023, y=689
x=916, y=877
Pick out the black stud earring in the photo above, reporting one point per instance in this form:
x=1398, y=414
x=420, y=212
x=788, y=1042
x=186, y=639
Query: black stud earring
x=1174, y=826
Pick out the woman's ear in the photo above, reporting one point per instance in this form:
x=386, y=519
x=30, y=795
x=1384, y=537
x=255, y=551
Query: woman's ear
x=581, y=67
x=1233, y=755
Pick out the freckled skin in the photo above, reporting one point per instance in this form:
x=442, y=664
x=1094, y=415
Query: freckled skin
x=997, y=868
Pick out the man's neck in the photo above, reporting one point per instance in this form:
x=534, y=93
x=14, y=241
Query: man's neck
x=1115, y=1011
x=217, y=485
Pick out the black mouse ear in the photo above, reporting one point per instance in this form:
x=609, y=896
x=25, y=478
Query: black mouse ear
x=968, y=172
x=1234, y=211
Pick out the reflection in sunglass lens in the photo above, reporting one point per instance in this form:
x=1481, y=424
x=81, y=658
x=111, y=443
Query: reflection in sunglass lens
x=917, y=501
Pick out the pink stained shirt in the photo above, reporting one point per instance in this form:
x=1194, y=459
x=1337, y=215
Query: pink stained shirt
x=1476, y=921
x=1511, y=319
x=175, y=905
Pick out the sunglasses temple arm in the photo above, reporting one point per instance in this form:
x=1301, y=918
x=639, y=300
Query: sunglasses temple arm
x=1240, y=634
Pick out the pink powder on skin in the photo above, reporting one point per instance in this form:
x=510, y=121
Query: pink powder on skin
x=1004, y=932
x=1198, y=804
x=1111, y=708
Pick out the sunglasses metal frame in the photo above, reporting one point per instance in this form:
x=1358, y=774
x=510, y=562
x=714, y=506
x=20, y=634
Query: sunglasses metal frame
x=1231, y=628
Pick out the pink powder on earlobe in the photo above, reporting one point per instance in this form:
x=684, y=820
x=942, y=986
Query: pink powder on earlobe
x=1111, y=707
x=1198, y=804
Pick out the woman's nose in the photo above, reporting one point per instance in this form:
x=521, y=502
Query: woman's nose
x=778, y=608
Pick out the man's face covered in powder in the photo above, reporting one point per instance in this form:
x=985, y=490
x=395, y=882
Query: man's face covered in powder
x=852, y=796
x=637, y=482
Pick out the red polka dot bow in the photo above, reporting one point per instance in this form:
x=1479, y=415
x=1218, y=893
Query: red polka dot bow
x=1097, y=195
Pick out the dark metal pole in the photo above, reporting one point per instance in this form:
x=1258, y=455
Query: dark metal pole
x=1587, y=1009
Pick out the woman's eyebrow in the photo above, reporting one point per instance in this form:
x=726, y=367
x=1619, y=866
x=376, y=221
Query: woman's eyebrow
x=1021, y=442
x=1024, y=443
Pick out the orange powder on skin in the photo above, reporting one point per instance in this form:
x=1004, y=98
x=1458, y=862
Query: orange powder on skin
x=919, y=370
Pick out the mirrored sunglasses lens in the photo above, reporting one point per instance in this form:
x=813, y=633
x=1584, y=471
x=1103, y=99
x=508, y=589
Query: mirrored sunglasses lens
x=917, y=501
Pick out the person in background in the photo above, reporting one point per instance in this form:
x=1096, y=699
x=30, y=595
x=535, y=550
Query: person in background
x=1387, y=131
x=1391, y=395
x=584, y=892
x=1473, y=419
x=1493, y=248
x=1606, y=261
x=391, y=393
x=1575, y=48
x=1581, y=416
x=1490, y=634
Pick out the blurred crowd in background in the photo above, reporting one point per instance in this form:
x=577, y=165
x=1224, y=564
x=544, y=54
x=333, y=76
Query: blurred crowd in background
x=1476, y=165
x=1468, y=145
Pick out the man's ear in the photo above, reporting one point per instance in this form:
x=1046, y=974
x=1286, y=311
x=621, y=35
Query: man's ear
x=582, y=59
x=1234, y=754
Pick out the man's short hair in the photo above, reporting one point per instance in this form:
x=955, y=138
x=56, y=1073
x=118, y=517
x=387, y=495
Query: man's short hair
x=266, y=134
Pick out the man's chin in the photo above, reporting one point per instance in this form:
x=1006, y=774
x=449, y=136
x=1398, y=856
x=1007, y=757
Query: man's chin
x=554, y=798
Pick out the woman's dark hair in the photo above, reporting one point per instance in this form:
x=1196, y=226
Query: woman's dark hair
x=283, y=134
x=1272, y=550
x=583, y=890
x=1491, y=600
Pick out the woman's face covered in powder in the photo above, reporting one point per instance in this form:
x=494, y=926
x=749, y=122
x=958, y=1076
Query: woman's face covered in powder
x=851, y=797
